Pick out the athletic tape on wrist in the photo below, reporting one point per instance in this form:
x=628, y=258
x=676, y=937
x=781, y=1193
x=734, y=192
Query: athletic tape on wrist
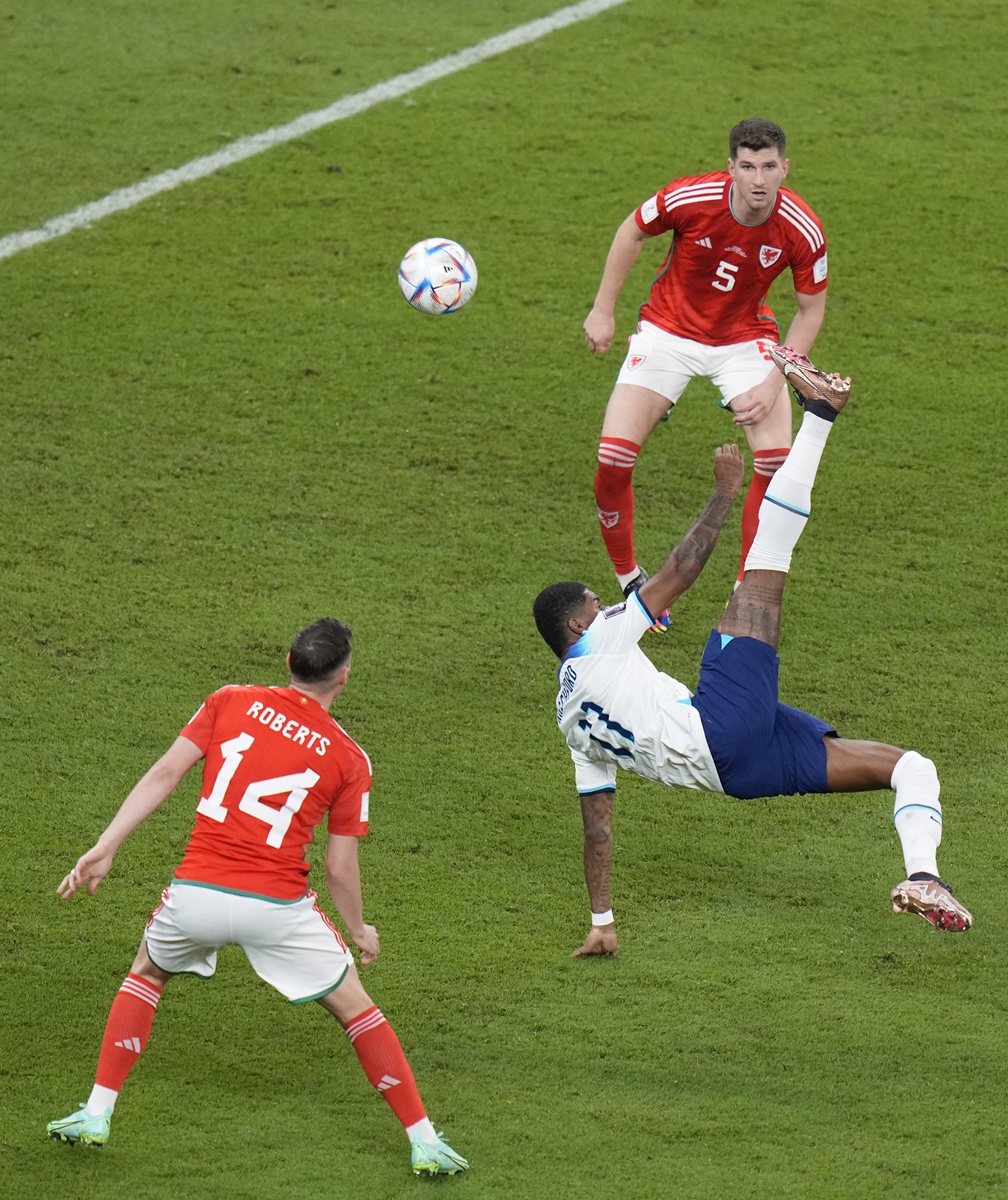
x=605, y=918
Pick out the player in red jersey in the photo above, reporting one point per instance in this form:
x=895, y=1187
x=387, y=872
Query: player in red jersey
x=733, y=233
x=275, y=765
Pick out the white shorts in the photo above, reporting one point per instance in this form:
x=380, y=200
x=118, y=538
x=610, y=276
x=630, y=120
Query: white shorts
x=291, y=945
x=666, y=363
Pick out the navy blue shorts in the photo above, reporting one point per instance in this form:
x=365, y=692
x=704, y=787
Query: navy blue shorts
x=760, y=746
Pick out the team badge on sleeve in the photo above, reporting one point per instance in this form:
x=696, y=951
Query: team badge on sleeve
x=649, y=210
x=819, y=269
x=768, y=255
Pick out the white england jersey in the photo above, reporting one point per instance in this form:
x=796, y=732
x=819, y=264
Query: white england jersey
x=615, y=708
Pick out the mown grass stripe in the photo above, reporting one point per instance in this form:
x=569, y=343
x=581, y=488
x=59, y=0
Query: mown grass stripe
x=256, y=143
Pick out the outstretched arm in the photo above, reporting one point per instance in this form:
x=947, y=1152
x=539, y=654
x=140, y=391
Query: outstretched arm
x=682, y=567
x=343, y=878
x=807, y=321
x=596, y=812
x=600, y=324
x=151, y=792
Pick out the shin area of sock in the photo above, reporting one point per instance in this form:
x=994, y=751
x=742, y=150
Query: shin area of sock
x=766, y=463
x=384, y=1063
x=126, y=1032
x=917, y=812
x=615, y=499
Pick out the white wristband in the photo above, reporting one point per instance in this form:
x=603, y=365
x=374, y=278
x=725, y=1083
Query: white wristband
x=605, y=918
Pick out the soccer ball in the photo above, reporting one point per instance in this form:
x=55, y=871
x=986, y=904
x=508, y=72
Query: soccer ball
x=437, y=276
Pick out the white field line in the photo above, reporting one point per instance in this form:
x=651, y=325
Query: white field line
x=256, y=143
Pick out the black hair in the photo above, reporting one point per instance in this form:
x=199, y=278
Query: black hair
x=756, y=134
x=553, y=608
x=320, y=650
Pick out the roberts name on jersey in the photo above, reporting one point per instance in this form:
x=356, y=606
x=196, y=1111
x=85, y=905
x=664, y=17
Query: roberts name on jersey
x=616, y=709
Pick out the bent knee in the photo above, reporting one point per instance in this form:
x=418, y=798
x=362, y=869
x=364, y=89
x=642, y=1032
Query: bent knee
x=348, y=999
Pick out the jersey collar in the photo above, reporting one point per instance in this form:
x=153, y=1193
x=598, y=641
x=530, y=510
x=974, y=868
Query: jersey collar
x=731, y=187
x=304, y=703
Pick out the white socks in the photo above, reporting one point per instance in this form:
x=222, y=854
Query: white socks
x=101, y=1101
x=917, y=812
x=787, y=503
x=423, y=1130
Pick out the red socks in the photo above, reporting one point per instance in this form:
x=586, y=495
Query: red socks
x=132, y=1015
x=615, y=499
x=765, y=466
x=385, y=1065
x=126, y=1031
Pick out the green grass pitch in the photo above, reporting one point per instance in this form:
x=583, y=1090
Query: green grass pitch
x=220, y=420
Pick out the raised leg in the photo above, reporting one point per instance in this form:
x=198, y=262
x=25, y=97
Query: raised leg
x=755, y=608
x=769, y=441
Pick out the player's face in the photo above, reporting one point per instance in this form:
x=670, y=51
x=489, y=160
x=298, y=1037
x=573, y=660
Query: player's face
x=757, y=175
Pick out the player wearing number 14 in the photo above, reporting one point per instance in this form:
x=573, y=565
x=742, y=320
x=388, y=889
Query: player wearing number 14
x=276, y=766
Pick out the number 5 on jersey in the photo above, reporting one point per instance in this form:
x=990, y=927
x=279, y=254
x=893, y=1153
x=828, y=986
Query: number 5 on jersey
x=725, y=274
x=279, y=819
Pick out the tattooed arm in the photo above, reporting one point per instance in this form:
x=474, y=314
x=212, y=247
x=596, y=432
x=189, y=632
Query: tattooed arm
x=596, y=812
x=680, y=570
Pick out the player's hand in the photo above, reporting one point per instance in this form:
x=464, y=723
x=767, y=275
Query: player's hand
x=367, y=943
x=729, y=467
x=599, y=329
x=91, y=869
x=757, y=403
x=601, y=939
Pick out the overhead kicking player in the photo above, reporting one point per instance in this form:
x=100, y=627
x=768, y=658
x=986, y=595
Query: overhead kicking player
x=733, y=232
x=276, y=764
x=617, y=710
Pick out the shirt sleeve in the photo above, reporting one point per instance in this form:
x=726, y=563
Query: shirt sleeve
x=653, y=216
x=199, y=728
x=808, y=261
x=348, y=813
x=592, y=776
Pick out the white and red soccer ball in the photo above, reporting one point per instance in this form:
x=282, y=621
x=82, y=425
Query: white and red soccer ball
x=437, y=276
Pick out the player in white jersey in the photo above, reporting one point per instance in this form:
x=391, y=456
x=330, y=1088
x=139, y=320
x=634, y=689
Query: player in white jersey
x=616, y=709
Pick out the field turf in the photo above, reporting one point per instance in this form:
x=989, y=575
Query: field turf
x=220, y=421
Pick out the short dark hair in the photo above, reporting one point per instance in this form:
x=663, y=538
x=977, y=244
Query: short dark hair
x=756, y=134
x=553, y=608
x=320, y=650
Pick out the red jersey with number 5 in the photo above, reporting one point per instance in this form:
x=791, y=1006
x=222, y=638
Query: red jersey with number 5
x=713, y=285
x=275, y=764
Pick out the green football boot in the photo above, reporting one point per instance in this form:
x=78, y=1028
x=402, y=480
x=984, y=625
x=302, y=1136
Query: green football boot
x=79, y=1127
x=436, y=1159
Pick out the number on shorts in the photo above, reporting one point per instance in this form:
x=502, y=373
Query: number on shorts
x=725, y=272
x=278, y=819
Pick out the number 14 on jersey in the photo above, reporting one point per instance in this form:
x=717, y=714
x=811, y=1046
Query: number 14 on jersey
x=278, y=819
